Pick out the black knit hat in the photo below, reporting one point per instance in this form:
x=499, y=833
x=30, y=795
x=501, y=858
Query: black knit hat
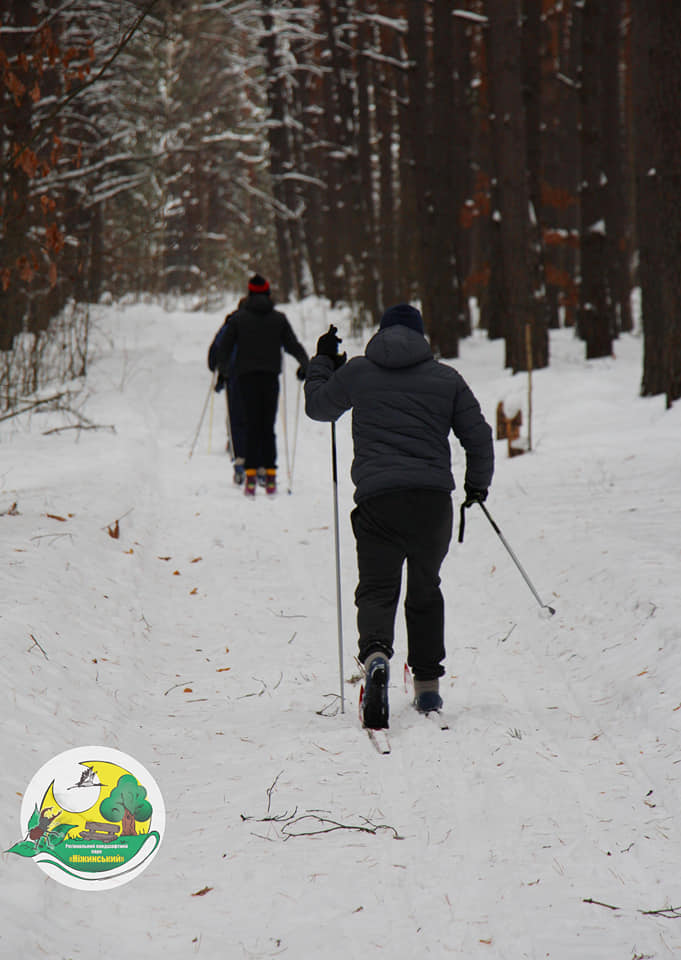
x=258, y=284
x=404, y=314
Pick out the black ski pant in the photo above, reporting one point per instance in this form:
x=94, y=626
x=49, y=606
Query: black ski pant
x=260, y=396
x=236, y=425
x=413, y=526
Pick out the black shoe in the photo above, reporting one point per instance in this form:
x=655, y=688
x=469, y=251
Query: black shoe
x=375, y=699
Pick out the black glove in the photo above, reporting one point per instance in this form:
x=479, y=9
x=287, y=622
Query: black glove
x=220, y=383
x=327, y=346
x=300, y=372
x=474, y=495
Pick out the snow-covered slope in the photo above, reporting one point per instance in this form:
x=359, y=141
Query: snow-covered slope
x=203, y=642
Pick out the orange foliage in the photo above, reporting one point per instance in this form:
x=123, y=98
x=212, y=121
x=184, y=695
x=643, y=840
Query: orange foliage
x=48, y=204
x=15, y=87
x=54, y=238
x=26, y=160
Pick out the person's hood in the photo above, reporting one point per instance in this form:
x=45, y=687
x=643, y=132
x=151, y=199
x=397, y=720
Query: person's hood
x=398, y=346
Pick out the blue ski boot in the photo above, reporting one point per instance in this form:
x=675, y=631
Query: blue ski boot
x=239, y=471
x=375, y=697
x=427, y=697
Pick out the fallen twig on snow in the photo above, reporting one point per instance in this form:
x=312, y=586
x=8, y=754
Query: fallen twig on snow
x=332, y=708
x=32, y=406
x=288, y=616
x=669, y=913
x=81, y=426
x=319, y=822
x=38, y=646
x=327, y=825
x=599, y=903
x=51, y=536
x=182, y=683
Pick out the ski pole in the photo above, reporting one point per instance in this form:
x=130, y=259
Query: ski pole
x=517, y=562
x=228, y=423
x=334, y=465
x=295, y=437
x=210, y=421
x=203, y=414
x=284, y=419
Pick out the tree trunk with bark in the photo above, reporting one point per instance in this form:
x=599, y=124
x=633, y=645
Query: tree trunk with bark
x=657, y=86
x=595, y=316
x=509, y=139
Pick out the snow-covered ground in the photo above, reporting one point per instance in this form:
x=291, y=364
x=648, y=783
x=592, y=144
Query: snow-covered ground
x=203, y=642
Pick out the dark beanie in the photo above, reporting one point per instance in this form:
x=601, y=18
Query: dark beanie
x=404, y=314
x=258, y=284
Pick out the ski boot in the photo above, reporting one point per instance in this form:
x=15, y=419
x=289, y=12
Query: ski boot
x=427, y=697
x=375, y=694
x=239, y=471
x=249, y=487
x=270, y=481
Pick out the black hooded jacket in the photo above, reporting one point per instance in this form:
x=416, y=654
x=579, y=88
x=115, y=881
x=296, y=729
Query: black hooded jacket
x=404, y=404
x=259, y=333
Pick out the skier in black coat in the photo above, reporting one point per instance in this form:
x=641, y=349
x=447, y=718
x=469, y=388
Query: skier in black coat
x=404, y=404
x=236, y=419
x=259, y=333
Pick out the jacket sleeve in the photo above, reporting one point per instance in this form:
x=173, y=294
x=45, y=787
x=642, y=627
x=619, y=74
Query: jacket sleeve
x=475, y=436
x=326, y=392
x=292, y=344
x=213, y=350
x=222, y=346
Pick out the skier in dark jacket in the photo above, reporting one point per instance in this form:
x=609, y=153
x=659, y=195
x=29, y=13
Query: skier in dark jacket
x=259, y=333
x=236, y=419
x=404, y=404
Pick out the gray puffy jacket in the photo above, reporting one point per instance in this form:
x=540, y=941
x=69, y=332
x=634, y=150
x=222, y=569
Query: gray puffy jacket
x=404, y=403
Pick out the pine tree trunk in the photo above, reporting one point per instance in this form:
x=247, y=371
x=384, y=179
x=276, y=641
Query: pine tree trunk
x=595, y=317
x=657, y=89
x=509, y=138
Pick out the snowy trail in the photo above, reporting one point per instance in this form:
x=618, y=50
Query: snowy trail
x=203, y=642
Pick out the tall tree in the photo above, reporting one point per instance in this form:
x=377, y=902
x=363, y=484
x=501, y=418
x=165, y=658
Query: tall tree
x=595, y=322
x=656, y=33
x=442, y=293
x=526, y=330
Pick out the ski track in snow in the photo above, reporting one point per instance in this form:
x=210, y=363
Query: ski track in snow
x=203, y=643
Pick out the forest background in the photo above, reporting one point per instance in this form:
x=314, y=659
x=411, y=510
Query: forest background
x=524, y=154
